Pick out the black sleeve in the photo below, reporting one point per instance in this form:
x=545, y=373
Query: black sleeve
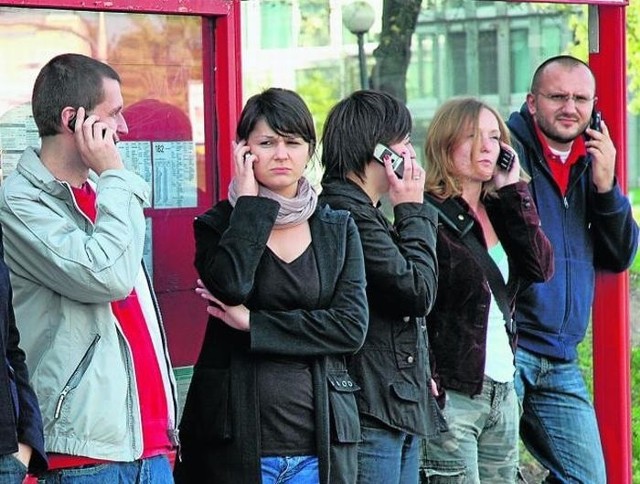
x=230, y=243
x=400, y=261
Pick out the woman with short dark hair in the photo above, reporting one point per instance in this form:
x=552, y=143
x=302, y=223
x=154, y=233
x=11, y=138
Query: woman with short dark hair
x=367, y=154
x=271, y=399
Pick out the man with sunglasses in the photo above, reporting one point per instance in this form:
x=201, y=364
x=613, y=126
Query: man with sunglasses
x=590, y=224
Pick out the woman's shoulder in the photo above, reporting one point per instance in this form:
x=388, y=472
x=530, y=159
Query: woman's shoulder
x=216, y=215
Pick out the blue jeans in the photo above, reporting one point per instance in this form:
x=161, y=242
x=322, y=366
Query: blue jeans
x=155, y=470
x=481, y=444
x=301, y=469
x=12, y=471
x=558, y=425
x=387, y=456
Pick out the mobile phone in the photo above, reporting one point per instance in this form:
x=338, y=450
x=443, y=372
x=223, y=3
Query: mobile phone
x=382, y=152
x=596, y=120
x=506, y=159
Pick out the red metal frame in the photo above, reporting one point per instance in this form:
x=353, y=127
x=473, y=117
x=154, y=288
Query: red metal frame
x=611, y=340
x=173, y=7
x=581, y=2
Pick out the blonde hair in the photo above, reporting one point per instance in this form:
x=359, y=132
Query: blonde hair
x=448, y=127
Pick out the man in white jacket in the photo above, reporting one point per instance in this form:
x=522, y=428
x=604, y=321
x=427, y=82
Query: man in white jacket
x=74, y=232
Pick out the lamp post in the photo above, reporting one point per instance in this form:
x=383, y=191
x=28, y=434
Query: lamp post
x=358, y=18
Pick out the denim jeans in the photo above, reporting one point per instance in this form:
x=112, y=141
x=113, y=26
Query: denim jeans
x=155, y=470
x=387, y=456
x=558, y=425
x=302, y=469
x=12, y=471
x=481, y=444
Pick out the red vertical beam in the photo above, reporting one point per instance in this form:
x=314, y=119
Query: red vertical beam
x=611, y=343
x=228, y=89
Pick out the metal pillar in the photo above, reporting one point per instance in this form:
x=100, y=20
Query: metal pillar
x=611, y=335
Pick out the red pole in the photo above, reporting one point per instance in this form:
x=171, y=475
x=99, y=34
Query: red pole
x=611, y=340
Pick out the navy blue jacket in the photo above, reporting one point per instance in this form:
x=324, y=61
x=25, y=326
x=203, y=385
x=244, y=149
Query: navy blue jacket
x=588, y=231
x=20, y=419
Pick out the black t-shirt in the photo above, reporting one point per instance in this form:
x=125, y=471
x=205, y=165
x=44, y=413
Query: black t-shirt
x=285, y=385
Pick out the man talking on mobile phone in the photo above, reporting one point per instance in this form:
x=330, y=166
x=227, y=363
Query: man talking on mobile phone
x=74, y=232
x=590, y=225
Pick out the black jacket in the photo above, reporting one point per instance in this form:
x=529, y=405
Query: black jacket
x=20, y=419
x=220, y=427
x=401, y=268
x=458, y=323
x=588, y=231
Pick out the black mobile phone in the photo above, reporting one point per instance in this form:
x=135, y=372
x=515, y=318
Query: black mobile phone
x=506, y=159
x=382, y=152
x=596, y=120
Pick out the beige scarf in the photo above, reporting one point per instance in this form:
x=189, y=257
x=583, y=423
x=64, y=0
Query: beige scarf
x=293, y=211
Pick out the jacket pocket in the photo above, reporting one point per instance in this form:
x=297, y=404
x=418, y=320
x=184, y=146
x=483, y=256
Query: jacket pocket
x=76, y=376
x=406, y=391
x=345, y=422
x=207, y=411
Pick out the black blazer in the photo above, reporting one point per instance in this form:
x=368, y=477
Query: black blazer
x=401, y=269
x=220, y=427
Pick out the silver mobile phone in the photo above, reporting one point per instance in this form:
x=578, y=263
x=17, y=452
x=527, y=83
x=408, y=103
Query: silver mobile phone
x=382, y=152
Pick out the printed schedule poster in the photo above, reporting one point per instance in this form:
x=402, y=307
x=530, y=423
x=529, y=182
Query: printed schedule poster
x=136, y=156
x=174, y=174
x=17, y=131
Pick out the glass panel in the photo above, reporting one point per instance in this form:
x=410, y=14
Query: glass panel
x=488, y=61
x=314, y=23
x=551, y=41
x=520, y=62
x=458, y=55
x=160, y=61
x=276, y=22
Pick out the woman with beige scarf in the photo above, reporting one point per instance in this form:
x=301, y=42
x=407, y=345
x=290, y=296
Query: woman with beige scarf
x=271, y=398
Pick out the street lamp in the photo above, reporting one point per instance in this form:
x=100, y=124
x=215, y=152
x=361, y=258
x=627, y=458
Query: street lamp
x=358, y=18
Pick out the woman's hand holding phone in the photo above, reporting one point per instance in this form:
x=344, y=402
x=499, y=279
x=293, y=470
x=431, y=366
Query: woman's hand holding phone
x=246, y=183
x=410, y=187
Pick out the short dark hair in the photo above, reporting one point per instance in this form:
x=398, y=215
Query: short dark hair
x=355, y=125
x=564, y=60
x=283, y=110
x=67, y=80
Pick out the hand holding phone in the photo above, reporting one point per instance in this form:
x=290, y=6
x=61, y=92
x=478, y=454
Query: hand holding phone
x=71, y=124
x=382, y=152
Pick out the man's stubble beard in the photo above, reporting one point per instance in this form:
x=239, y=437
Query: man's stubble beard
x=550, y=131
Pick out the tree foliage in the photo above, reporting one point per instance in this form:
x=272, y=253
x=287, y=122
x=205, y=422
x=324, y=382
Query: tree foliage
x=399, y=18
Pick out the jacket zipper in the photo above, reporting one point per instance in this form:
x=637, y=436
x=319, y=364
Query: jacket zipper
x=76, y=376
